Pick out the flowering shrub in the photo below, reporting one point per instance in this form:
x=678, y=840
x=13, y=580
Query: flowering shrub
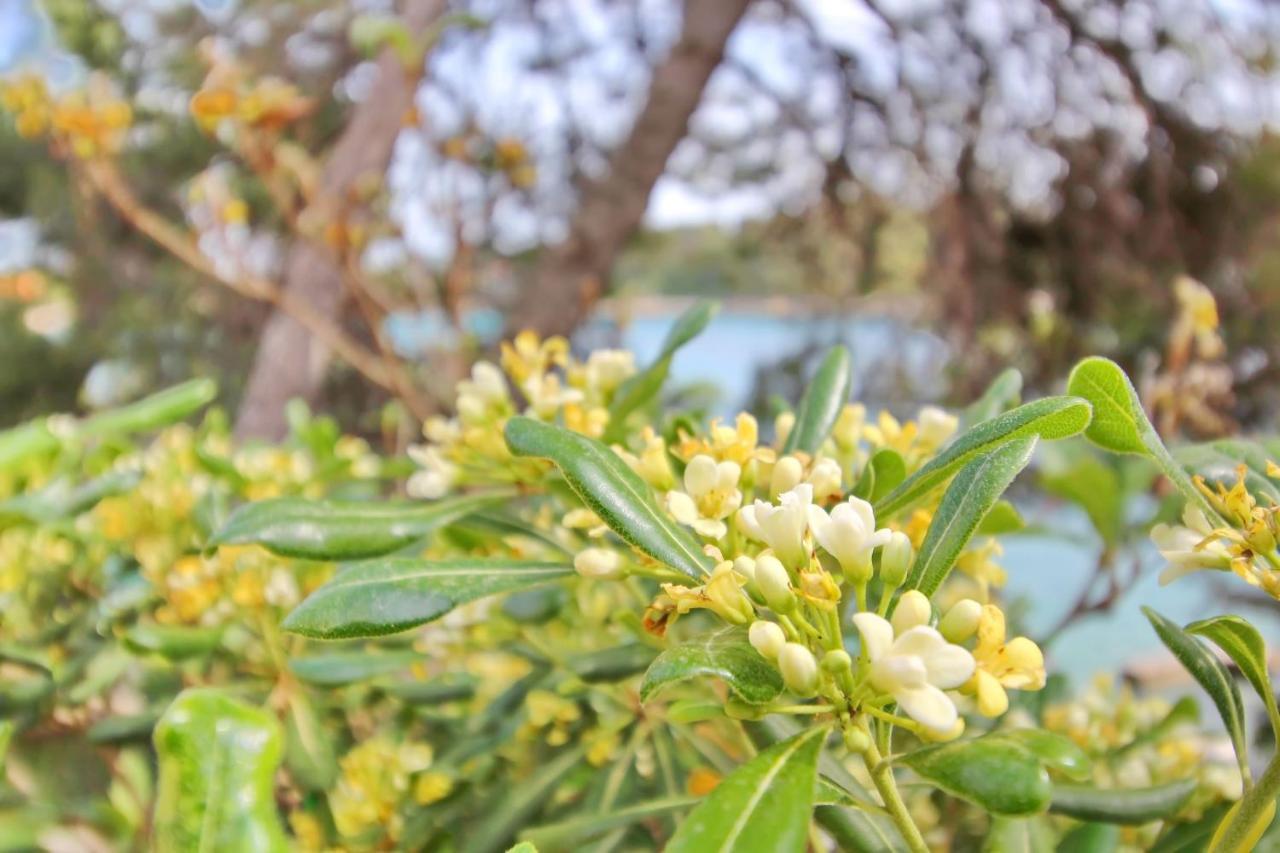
x=595, y=622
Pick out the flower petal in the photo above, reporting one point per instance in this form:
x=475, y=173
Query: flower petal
x=710, y=528
x=877, y=634
x=929, y=706
x=682, y=507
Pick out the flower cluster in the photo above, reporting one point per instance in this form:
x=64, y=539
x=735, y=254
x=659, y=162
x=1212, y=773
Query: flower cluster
x=87, y=122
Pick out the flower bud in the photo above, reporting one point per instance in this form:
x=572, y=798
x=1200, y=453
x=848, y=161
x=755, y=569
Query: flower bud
x=857, y=740
x=599, y=563
x=941, y=736
x=782, y=425
x=912, y=611
x=836, y=661
x=746, y=567
x=774, y=584
x=767, y=638
x=896, y=558
x=740, y=710
x=787, y=474
x=799, y=669
x=960, y=621
x=693, y=711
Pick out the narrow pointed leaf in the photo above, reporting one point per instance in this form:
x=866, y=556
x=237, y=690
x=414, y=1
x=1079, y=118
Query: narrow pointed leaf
x=887, y=470
x=1055, y=751
x=160, y=409
x=569, y=834
x=1120, y=425
x=520, y=803
x=999, y=775
x=176, y=642
x=822, y=402
x=1003, y=393
x=1051, y=418
x=964, y=505
x=338, y=668
x=308, y=747
x=1245, y=646
x=1091, y=838
x=1019, y=835
x=1210, y=674
x=344, y=530
x=726, y=655
x=1129, y=806
x=858, y=831
x=393, y=594
x=1220, y=460
x=613, y=664
x=217, y=758
x=26, y=441
x=762, y=807
x=637, y=391
x=613, y=491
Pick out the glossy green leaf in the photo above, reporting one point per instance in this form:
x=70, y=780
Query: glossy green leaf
x=335, y=669
x=1192, y=837
x=1220, y=460
x=613, y=491
x=1245, y=646
x=1002, y=520
x=1210, y=674
x=639, y=390
x=308, y=747
x=823, y=399
x=344, y=530
x=62, y=499
x=1050, y=418
x=1091, y=838
x=570, y=833
x=436, y=691
x=1185, y=710
x=176, y=642
x=217, y=758
x=1001, y=776
x=1092, y=485
x=964, y=505
x=26, y=441
x=726, y=655
x=160, y=409
x=116, y=730
x=1130, y=806
x=765, y=805
x=1019, y=835
x=1120, y=425
x=1055, y=751
x=380, y=597
x=886, y=470
x=613, y=664
x=1002, y=394
x=521, y=801
x=858, y=831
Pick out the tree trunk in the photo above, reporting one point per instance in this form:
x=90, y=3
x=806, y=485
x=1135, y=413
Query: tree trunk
x=290, y=362
x=572, y=275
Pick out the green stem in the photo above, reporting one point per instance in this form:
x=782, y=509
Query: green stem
x=1234, y=836
x=882, y=776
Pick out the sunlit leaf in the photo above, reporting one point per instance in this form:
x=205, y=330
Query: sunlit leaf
x=726, y=655
x=1001, y=776
x=1121, y=805
x=823, y=399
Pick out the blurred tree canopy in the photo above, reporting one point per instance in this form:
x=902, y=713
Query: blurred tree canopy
x=252, y=188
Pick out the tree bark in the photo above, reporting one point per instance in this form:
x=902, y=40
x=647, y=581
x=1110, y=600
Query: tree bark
x=573, y=274
x=291, y=363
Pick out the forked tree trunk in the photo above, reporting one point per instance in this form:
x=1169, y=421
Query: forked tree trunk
x=290, y=362
x=572, y=275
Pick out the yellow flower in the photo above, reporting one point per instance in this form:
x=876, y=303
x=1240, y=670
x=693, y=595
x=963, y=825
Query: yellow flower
x=889, y=433
x=431, y=787
x=978, y=563
x=529, y=355
x=1017, y=664
x=738, y=443
x=722, y=594
x=652, y=464
x=710, y=495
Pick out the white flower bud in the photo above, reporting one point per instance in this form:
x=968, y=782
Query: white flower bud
x=598, y=563
x=961, y=620
x=767, y=638
x=799, y=669
x=837, y=661
x=895, y=559
x=827, y=479
x=936, y=426
x=913, y=610
x=745, y=566
x=774, y=584
x=787, y=474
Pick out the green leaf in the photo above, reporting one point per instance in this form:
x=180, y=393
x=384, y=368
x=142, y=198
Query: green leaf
x=1055, y=751
x=61, y=499
x=1003, y=393
x=338, y=668
x=116, y=730
x=217, y=758
x=1120, y=425
x=343, y=530
x=964, y=505
x=569, y=834
x=999, y=775
x=1091, y=838
x=637, y=391
x=1018, y=835
x=1003, y=519
x=308, y=747
x=884, y=472
x=1050, y=418
x=765, y=805
x=1131, y=806
x=1219, y=460
x=858, y=831
x=1191, y=837
x=726, y=655
x=160, y=409
x=26, y=441
x=615, y=664
x=1095, y=487
x=436, y=691
x=1245, y=646
x=6, y=734
x=521, y=802
x=613, y=491
x=175, y=642
x=1210, y=674
x=380, y=597
x=822, y=402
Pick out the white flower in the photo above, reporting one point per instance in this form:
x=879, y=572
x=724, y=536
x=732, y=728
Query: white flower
x=484, y=391
x=915, y=668
x=849, y=534
x=597, y=563
x=436, y=477
x=711, y=494
x=826, y=478
x=787, y=474
x=913, y=610
x=936, y=426
x=1186, y=548
x=767, y=638
x=781, y=527
x=799, y=668
x=609, y=368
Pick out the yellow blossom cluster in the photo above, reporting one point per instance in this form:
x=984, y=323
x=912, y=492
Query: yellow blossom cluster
x=87, y=122
x=380, y=777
